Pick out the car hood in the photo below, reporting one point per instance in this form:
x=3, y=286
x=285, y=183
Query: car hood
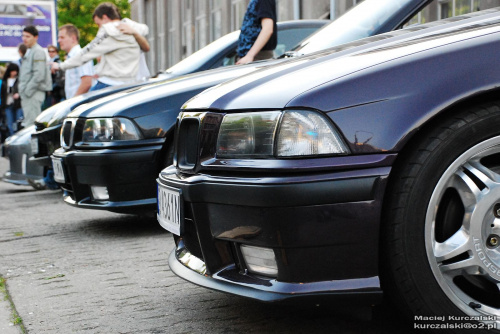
x=294, y=83
x=152, y=98
x=56, y=114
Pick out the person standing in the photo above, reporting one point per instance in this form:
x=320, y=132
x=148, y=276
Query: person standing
x=78, y=80
x=10, y=99
x=259, y=34
x=57, y=93
x=21, y=50
x=119, y=52
x=34, y=77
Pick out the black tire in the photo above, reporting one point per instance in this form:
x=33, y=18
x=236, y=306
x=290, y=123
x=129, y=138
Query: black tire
x=441, y=184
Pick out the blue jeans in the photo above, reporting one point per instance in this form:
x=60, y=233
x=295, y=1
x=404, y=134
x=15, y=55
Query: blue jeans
x=49, y=180
x=98, y=85
x=12, y=116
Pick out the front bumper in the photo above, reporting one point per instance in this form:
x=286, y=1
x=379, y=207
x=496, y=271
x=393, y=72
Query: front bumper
x=323, y=228
x=128, y=173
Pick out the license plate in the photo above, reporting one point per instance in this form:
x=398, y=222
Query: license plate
x=58, y=171
x=34, y=145
x=170, y=209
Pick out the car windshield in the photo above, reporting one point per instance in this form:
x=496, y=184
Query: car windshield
x=200, y=57
x=361, y=21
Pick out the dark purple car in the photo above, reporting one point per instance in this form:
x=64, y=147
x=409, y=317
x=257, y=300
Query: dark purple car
x=366, y=170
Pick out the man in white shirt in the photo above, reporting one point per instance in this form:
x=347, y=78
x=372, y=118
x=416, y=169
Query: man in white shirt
x=119, y=52
x=78, y=80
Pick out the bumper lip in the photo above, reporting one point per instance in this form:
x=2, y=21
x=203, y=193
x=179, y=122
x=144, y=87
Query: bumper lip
x=270, y=290
x=88, y=203
x=19, y=179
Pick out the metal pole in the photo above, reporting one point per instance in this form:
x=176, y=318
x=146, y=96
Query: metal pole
x=296, y=9
x=332, y=10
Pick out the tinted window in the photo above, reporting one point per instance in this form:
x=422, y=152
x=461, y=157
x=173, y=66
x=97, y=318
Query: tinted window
x=362, y=21
x=289, y=38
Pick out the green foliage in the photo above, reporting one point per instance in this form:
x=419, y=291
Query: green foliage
x=79, y=13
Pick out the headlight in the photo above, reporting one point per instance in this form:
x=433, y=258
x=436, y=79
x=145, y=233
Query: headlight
x=110, y=129
x=307, y=133
x=276, y=133
x=247, y=134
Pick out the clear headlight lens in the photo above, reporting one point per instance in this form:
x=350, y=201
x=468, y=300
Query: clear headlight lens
x=110, y=129
x=301, y=133
x=247, y=134
x=307, y=133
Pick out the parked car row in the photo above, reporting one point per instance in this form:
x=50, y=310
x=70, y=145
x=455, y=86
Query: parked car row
x=362, y=164
x=99, y=166
x=46, y=135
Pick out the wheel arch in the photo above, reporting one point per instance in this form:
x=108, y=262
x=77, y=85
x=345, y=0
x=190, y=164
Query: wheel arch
x=415, y=138
x=438, y=117
x=406, y=156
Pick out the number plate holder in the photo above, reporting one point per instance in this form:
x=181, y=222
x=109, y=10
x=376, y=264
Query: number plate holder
x=58, y=170
x=170, y=209
x=34, y=145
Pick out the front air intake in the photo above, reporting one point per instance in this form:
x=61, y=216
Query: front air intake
x=187, y=143
x=66, y=133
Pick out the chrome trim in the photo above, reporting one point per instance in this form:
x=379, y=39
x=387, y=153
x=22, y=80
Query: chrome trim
x=72, y=133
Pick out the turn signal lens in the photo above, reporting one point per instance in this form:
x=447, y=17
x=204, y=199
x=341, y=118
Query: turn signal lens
x=305, y=133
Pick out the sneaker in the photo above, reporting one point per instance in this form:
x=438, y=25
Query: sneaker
x=38, y=184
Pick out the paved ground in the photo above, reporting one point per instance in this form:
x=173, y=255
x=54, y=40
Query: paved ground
x=71, y=270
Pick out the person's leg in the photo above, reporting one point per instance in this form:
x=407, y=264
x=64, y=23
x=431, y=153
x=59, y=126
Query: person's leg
x=49, y=180
x=9, y=119
x=19, y=118
x=32, y=107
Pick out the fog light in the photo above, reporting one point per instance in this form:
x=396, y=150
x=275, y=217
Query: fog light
x=100, y=193
x=260, y=260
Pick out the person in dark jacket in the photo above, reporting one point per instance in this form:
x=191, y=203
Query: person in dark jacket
x=56, y=95
x=10, y=99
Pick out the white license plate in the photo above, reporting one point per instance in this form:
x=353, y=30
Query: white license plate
x=58, y=171
x=34, y=145
x=170, y=209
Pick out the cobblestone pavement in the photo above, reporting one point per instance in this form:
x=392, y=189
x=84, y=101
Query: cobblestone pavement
x=71, y=270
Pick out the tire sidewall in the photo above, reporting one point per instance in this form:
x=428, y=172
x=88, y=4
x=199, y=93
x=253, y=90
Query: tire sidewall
x=456, y=137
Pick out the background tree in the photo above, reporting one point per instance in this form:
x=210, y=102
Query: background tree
x=79, y=13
